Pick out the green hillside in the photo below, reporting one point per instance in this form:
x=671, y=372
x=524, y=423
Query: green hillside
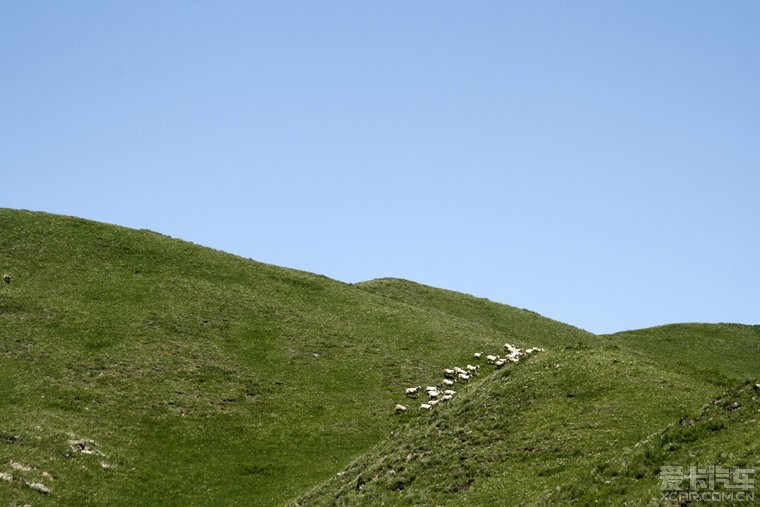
x=138, y=369
x=587, y=423
x=565, y=426
x=718, y=353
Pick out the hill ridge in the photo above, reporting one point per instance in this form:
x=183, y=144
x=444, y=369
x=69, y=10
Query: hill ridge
x=136, y=365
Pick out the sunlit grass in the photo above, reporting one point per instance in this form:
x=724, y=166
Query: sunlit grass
x=141, y=370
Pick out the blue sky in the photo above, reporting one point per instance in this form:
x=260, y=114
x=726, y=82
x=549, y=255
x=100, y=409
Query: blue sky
x=596, y=162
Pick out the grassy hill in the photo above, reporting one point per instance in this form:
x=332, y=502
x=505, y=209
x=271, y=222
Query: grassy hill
x=201, y=377
x=571, y=425
x=138, y=369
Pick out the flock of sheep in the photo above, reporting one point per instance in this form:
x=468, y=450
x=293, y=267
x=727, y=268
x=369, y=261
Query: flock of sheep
x=457, y=374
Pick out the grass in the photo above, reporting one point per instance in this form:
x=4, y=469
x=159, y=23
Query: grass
x=138, y=369
x=717, y=434
x=519, y=434
x=718, y=353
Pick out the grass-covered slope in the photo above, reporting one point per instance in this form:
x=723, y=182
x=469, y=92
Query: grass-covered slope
x=137, y=369
x=585, y=423
x=515, y=324
x=722, y=433
x=717, y=353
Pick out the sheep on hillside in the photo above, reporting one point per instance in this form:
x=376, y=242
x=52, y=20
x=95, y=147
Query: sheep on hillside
x=411, y=391
x=399, y=408
x=510, y=348
x=515, y=357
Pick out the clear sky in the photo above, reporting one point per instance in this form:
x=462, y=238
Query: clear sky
x=596, y=162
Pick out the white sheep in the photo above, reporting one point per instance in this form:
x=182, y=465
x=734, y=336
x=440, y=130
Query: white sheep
x=447, y=397
x=433, y=394
x=449, y=373
x=425, y=406
x=477, y=355
x=464, y=376
x=472, y=369
x=410, y=391
x=434, y=402
x=448, y=382
x=459, y=370
x=501, y=362
x=449, y=392
x=399, y=408
x=492, y=358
